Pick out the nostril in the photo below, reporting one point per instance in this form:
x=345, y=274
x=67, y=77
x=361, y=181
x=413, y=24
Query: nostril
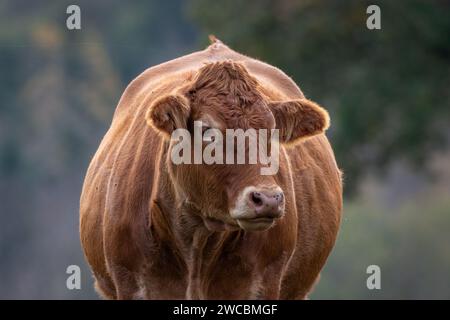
x=279, y=198
x=256, y=198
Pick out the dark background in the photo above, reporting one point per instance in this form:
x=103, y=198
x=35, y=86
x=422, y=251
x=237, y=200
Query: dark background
x=387, y=92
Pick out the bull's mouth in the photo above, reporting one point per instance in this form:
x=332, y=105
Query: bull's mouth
x=256, y=224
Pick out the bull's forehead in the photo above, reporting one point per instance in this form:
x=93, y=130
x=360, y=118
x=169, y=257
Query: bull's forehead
x=228, y=97
x=224, y=114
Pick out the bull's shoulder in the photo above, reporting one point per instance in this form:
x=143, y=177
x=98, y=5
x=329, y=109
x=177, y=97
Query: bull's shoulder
x=317, y=179
x=317, y=155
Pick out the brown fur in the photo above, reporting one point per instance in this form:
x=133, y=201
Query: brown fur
x=142, y=217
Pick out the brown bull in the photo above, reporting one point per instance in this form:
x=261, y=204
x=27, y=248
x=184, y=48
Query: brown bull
x=152, y=229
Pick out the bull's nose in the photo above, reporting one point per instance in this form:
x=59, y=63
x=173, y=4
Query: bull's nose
x=267, y=205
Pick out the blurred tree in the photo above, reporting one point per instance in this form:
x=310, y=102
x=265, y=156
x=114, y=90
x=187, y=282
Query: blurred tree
x=387, y=90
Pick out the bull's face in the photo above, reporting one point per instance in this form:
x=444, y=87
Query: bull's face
x=223, y=96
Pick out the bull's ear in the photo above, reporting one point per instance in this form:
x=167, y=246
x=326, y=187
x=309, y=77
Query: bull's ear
x=168, y=113
x=297, y=119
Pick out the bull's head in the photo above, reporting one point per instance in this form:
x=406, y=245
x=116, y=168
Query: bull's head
x=223, y=95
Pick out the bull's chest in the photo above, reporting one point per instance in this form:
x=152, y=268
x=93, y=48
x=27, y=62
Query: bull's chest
x=213, y=269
